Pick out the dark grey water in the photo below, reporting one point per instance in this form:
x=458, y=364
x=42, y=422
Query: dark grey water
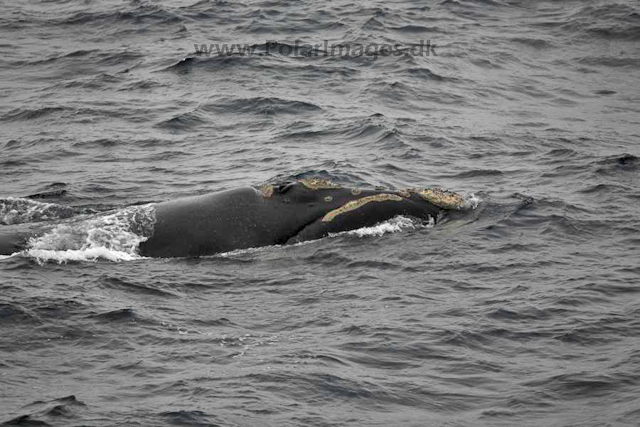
x=524, y=312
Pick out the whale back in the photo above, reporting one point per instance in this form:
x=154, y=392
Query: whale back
x=283, y=213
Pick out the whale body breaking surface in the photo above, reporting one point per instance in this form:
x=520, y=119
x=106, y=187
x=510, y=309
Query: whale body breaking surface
x=225, y=221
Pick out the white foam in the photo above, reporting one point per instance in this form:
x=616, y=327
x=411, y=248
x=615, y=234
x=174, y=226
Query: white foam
x=114, y=237
x=90, y=254
x=394, y=225
x=16, y=210
x=238, y=252
x=470, y=201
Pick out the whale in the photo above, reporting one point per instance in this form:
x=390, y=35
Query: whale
x=12, y=242
x=280, y=214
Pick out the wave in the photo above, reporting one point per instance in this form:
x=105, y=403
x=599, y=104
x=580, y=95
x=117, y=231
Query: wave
x=610, y=61
x=182, y=122
x=120, y=315
x=95, y=56
x=532, y=42
x=263, y=25
x=251, y=106
x=475, y=173
x=109, y=109
x=212, y=64
x=55, y=411
x=613, y=190
x=416, y=29
x=607, y=21
x=143, y=85
x=140, y=16
x=427, y=74
x=17, y=314
x=57, y=57
x=617, y=163
x=20, y=114
x=261, y=105
x=52, y=191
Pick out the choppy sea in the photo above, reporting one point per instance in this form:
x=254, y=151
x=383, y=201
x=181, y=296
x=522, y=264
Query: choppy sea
x=525, y=311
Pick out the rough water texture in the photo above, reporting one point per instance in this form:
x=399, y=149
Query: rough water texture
x=523, y=312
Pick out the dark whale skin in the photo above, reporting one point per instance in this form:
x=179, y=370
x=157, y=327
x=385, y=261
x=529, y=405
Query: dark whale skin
x=287, y=213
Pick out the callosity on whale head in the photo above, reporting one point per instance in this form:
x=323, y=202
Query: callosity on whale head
x=351, y=208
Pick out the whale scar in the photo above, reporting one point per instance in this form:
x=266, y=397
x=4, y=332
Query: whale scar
x=442, y=198
x=266, y=191
x=318, y=184
x=355, y=204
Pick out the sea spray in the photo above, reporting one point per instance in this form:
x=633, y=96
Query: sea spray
x=113, y=236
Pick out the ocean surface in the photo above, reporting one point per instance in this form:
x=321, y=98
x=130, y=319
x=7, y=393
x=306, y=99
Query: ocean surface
x=524, y=311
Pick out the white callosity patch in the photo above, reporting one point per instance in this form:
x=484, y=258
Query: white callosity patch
x=114, y=236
